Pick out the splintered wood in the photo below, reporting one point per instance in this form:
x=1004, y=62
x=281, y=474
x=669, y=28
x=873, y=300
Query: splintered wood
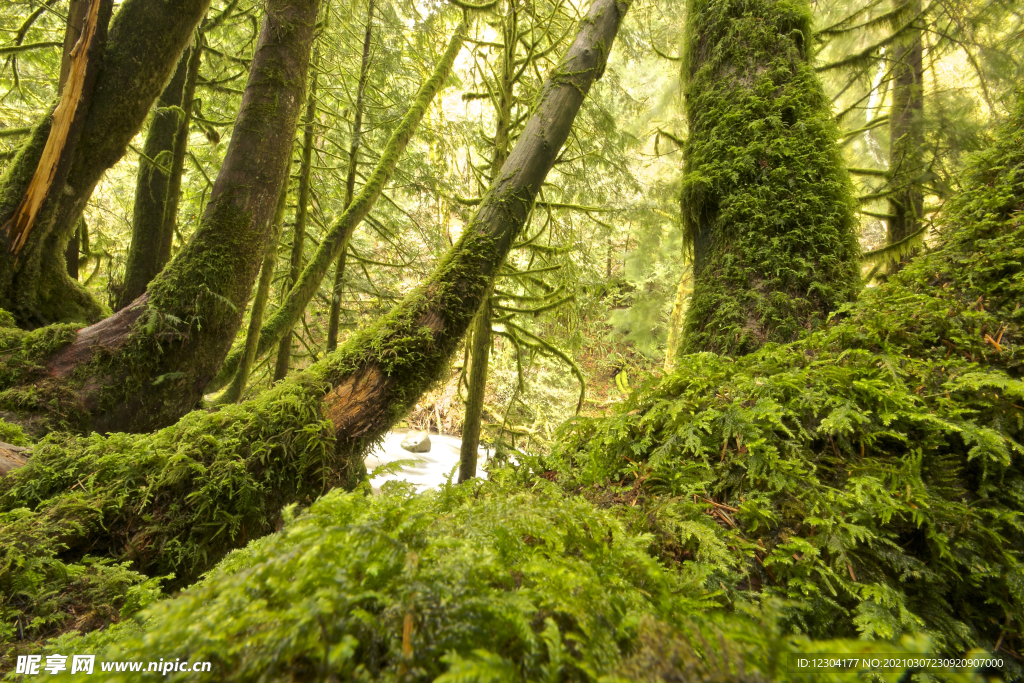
x=19, y=227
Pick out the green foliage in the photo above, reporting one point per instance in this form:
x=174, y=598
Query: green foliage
x=12, y=434
x=26, y=389
x=870, y=471
x=527, y=586
x=766, y=201
x=479, y=582
x=169, y=504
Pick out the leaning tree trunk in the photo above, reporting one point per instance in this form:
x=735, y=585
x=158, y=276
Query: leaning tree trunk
x=143, y=46
x=766, y=201
x=336, y=239
x=145, y=366
x=179, y=499
x=144, y=253
x=906, y=142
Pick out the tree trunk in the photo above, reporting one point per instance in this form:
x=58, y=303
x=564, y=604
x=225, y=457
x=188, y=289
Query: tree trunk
x=336, y=239
x=147, y=365
x=766, y=202
x=479, y=356
x=36, y=179
x=284, y=352
x=259, y=303
x=379, y=374
x=906, y=141
x=144, y=43
x=480, y=353
x=169, y=221
x=350, y=183
x=144, y=251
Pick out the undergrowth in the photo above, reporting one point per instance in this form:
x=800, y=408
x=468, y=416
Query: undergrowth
x=26, y=391
x=869, y=472
x=486, y=582
x=90, y=516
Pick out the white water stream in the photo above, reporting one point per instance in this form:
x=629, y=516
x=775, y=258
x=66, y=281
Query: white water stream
x=431, y=469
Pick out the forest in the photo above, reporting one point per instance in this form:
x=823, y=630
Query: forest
x=720, y=298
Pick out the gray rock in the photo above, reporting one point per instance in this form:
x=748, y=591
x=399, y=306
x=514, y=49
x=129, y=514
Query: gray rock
x=416, y=442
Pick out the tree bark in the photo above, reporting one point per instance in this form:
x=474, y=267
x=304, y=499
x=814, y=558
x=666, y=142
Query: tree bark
x=147, y=364
x=143, y=46
x=35, y=181
x=73, y=31
x=479, y=356
x=169, y=220
x=144, y=251
x=906, y=140
x=350, y=183
x=259, y=303
x=480, y=353
x=284, y=351
x=767, y=203
x=336, y=239
x=73, y=252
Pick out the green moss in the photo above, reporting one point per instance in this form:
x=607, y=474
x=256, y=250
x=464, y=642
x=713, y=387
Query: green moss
x=766, y=200
x=27, y=392
x=472, y=583
x=169, y=503
x=13, y=434
x=871, y=471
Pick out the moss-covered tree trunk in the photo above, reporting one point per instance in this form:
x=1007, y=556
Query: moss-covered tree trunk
x=143, y=46
x=144, y=252
x=146, y=365
x=906, y=140
x=766, y=201
x=334, y=317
